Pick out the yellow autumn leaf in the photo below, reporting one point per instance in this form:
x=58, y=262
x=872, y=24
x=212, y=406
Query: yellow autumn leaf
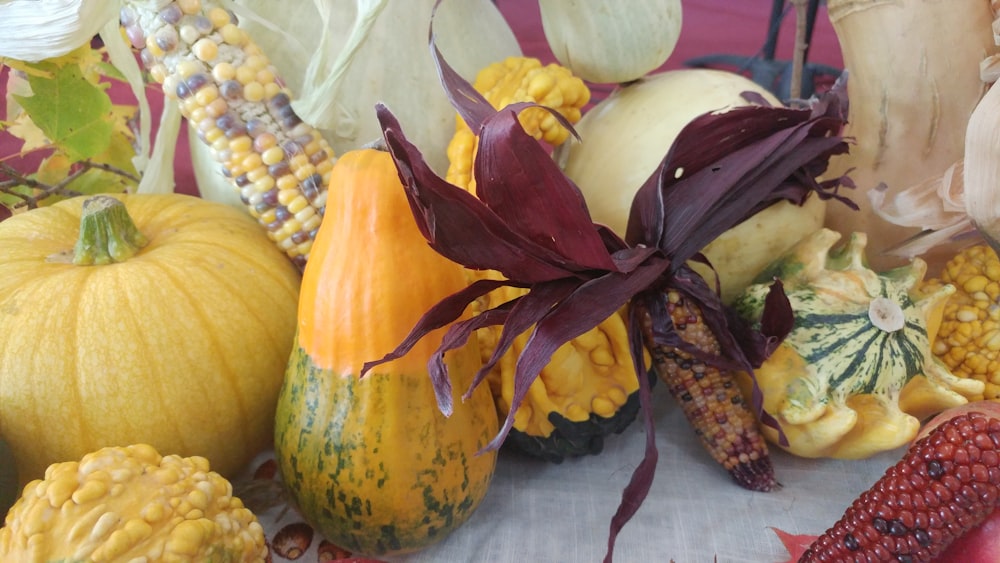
x=25, y=129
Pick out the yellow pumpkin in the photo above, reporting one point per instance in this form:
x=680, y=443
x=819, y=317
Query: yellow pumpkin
x=370, y=460
x=177, y=337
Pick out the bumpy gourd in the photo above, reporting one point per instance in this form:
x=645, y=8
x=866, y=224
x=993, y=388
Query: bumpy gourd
x=131, y=504
x=179, y=343
x=369, y=459
x=856, y=375
x=589, y=389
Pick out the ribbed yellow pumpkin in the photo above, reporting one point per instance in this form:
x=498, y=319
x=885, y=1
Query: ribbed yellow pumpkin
x=175, y=335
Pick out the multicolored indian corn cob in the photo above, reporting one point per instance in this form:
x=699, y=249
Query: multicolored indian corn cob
x=231, y=94
x=710, y=398
x=947, y=483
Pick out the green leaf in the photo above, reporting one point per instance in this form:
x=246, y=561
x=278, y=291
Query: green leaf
x=72, y=112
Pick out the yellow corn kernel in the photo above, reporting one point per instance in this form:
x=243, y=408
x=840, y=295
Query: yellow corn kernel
x=304, y=214
x=297, y=204
x=287, y=183
x=263, y=184
x=189, y=6
x=272, y=155
x=271, y=89
x=232, y=35
x=312, y=223
x=286, y=197
x=217, y=108
x=218, y=17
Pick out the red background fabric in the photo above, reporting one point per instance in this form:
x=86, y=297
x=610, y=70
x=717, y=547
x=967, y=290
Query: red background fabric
x=709, y=27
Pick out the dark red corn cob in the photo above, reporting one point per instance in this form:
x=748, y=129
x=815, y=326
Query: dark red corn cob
x=947, y=484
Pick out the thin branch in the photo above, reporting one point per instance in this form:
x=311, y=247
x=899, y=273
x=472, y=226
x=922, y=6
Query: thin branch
x=41, y=190
x=799, y=54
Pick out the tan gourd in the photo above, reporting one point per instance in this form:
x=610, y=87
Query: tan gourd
x=914, y=80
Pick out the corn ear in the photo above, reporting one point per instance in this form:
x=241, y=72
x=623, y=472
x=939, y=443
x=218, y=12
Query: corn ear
x=232, y=96
x=711, y=399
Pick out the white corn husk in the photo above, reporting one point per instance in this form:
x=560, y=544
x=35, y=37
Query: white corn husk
x=611, y=41
x=34, y=30
x=340, y=58
x=982, y=166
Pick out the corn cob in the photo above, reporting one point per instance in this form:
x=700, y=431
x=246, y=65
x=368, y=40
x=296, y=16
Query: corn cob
x=231, y=94
x=947, y=483
x=710, y=398
x=968, y=341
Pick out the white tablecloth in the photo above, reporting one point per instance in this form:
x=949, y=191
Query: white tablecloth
x=541, y=512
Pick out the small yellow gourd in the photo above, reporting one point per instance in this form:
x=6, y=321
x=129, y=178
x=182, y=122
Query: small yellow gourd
x=131, y=504
x=589, y=389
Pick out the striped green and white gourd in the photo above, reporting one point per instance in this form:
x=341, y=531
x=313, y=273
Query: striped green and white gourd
x=856, y=375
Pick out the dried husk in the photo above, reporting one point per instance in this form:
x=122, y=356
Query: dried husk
x=914, y=70
x=982, y=167
x=340, y=58
x=34, y=31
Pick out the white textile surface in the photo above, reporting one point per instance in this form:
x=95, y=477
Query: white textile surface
x=541, y=512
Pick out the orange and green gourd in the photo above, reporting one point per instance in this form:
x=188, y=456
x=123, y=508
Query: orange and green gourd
x=369, y=458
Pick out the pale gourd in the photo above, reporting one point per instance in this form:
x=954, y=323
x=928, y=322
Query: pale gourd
x=609, y=41
x=625, y=137
x=914, y=80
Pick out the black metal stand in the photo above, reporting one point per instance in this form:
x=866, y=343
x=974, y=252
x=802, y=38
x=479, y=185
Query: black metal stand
x=764, y=69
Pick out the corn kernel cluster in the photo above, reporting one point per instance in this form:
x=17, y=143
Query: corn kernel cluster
x=968, y=341
x=131, y=504
x=230, y=93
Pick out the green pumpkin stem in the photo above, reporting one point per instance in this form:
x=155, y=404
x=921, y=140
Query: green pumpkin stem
x=107, y=233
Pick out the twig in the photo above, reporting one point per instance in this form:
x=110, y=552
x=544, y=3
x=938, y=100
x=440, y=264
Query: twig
x=42, y=190
x=799, y=54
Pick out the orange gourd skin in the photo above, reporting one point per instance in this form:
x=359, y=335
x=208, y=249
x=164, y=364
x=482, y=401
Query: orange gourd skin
x=182, y=346
x=370, y=461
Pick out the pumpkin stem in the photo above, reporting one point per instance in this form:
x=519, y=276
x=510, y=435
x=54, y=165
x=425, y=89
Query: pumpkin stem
x=107, y=233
